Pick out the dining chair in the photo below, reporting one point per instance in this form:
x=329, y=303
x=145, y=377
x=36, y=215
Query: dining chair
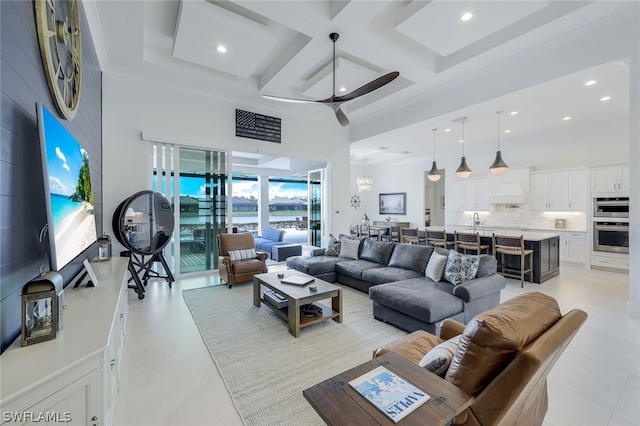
x=392, y=234
x=513, y=246
x=465, y=241
x=354, y=230
x=365, y=231
x=409, y=236
x=437, y=238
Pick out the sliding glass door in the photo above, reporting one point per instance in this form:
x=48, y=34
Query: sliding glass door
x=203, y=189
x=315, y=182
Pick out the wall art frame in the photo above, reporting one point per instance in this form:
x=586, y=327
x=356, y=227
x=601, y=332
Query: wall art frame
x=393, y=203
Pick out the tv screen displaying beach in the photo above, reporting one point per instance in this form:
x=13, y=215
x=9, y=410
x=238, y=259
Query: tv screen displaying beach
x=68, y=180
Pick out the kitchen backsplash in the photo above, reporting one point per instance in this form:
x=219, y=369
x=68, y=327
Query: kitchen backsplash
x=521, y=218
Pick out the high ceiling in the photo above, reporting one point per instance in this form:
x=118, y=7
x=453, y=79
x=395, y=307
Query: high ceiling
x=527, y=56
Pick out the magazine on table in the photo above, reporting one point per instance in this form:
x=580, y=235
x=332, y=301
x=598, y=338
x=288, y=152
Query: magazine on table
x=389, y=392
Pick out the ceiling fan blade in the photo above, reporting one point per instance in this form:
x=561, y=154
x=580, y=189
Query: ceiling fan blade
x=369, y=87
x=290, y=100
x=342, y=119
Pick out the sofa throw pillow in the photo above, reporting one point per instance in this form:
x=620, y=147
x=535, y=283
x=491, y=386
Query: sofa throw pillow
x=438, y=359
x=333, y=247
x=242, y=254
x=435, y=267
x=349, y=248
x=460, y=267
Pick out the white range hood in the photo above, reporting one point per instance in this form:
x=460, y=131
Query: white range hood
x=510, y=188
x=507, y=193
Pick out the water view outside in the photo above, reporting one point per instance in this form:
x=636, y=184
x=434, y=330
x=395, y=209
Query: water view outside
x=287, y=204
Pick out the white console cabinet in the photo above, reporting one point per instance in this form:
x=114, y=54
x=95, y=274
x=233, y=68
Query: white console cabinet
x=72, y=379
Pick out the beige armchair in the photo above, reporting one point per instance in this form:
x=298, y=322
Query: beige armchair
x=503, y=357
x=239, y=271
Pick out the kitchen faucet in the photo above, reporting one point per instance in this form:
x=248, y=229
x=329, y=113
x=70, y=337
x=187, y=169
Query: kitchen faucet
x=476, y=220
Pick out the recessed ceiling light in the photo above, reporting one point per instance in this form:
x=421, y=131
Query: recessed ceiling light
x=507, y=131
x=343, y=89
x=567, y=118
x=465, y=17
x=605, y=98
x=447, y=130
x=461, y=140
x=513, y=113
x=222, y=49
x=590, y=83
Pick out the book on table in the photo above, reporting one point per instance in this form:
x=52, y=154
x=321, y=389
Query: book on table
x=297, y=280
x=389, y=392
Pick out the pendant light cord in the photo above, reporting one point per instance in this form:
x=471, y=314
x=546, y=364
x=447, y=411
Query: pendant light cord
x=463, y=138
x=498, y=112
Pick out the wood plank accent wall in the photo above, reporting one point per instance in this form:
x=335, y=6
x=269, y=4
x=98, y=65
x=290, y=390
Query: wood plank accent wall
x=22, y=199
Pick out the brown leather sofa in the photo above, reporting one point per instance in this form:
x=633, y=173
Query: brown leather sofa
x=503, y=358
x=239, y=271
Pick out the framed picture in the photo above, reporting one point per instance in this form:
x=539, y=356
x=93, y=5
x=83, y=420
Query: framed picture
x=393, y=203
x=561, y=223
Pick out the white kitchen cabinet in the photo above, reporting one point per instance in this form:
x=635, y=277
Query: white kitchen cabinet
x=573, y=247
x=559, y=191
x=75, y=376
x=471, y=194
x=610, y=179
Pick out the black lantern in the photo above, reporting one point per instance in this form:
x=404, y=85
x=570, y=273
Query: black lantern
x=104, y=248
x=42, y=300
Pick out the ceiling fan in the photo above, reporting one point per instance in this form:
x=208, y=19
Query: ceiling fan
x=335, y=101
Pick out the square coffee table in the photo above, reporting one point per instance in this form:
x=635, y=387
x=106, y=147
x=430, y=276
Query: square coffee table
x=297, y=296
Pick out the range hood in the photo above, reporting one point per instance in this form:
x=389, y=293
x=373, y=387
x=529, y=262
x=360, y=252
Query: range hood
x=507, y=193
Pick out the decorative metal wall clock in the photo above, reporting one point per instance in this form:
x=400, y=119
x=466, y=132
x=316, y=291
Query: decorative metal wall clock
x=58, y=26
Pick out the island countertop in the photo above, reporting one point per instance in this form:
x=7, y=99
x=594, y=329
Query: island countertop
x=528, y=235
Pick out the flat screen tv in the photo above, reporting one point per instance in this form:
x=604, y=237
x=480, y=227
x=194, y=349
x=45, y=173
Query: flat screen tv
x=67, y=187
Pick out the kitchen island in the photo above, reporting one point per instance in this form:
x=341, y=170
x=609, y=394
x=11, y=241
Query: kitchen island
x=545, y=246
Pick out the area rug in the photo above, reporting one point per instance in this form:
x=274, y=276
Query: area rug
x=264, y=367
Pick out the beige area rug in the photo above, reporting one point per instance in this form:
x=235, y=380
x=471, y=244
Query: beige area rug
x=265, y=368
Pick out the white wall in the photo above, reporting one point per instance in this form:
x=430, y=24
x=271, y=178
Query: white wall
x=132, y=107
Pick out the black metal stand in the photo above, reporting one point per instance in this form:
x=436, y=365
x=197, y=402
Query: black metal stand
x=137, y=264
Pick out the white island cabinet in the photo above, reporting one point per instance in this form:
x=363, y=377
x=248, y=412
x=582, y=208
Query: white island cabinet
x=73, y=378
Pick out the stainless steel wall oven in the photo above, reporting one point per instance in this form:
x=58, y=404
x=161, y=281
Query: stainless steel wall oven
x=611, y=207
x=611, y=237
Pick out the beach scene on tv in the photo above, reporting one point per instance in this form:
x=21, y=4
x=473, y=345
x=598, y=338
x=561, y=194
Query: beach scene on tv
x=70, y=193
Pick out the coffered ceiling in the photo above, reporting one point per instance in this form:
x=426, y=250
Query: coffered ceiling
x=531, y=56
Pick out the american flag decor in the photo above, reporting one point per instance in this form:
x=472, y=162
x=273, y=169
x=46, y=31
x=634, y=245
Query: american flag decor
x=257, y=126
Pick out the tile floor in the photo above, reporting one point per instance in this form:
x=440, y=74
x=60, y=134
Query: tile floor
x=169, y=378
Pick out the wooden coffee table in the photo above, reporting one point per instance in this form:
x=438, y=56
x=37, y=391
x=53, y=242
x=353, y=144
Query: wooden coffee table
x=298, y=296
x=340, y=404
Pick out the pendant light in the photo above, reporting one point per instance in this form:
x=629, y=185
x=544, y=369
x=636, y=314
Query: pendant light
x=434, y=174
x=364, y=182
x=463, y=171
x=499, y=167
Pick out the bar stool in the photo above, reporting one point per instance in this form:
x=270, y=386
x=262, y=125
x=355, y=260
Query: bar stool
x=437, y=238
x=469, y=241
x=513, y=246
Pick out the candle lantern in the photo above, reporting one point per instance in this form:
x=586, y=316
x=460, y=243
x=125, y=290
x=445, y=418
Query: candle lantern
x=104, y=248
x=42, y=304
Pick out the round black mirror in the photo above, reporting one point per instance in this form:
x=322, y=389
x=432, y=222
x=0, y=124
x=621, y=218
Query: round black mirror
x=143, y=223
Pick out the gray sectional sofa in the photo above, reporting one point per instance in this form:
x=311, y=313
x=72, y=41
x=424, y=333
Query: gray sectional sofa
x=394, y=276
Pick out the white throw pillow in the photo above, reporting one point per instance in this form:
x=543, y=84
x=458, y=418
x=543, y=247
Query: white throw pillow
x=242, y=254
x=438, y=359
x=349, y=248
x=435, y=267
